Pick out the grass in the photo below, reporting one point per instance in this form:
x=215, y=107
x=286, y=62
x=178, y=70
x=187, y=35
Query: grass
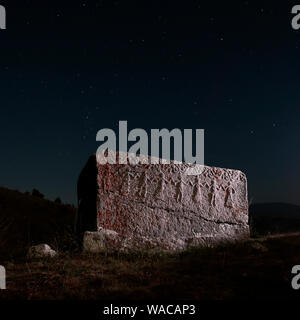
x=238, y=271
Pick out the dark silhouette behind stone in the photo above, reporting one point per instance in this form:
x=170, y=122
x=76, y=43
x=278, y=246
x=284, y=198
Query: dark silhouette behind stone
x=87, y=196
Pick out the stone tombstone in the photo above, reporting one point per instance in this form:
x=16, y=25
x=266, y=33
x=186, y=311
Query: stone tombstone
x=166, y=203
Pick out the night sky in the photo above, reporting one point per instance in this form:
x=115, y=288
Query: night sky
x=229, y=67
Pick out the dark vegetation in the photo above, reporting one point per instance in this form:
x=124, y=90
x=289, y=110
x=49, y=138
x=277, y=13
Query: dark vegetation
x=28, y=219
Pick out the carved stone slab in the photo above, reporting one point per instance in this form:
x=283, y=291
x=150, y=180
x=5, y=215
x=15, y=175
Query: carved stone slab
x=163, y=202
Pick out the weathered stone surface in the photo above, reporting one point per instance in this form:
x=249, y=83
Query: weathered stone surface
x=164, y=203
x=101, y=240
x=41, y=251
x=108, y=240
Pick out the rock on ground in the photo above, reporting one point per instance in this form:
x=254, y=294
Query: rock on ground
x=41, y=251
x=101, y=240
x=163, y=204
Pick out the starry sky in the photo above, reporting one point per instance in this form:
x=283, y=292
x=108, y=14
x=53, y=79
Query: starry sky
x=69, y=69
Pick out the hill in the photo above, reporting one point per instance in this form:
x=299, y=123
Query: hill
x=26, y=220
x=273, y=218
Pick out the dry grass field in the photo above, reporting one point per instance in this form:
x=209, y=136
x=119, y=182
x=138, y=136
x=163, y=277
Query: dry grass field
x=257, y=269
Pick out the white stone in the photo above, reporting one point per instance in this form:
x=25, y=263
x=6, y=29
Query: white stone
x=101, y=240
x=41, y=251
x=164, y=205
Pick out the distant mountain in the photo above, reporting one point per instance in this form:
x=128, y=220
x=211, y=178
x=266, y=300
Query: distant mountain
x=272, y=218
x=29, y=219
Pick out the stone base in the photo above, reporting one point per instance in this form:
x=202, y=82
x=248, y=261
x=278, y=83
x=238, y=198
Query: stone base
x=108, y=240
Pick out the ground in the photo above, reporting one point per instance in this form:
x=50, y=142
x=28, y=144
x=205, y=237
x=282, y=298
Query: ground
x=255, y=269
